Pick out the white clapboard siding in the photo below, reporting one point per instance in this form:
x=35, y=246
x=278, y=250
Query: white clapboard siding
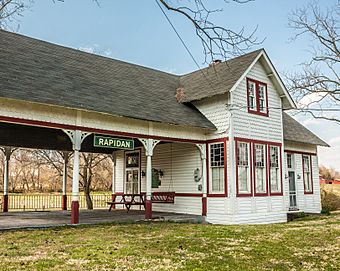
x=215, y=110
x=253, y=126
x=310, y=203
x=178, y=162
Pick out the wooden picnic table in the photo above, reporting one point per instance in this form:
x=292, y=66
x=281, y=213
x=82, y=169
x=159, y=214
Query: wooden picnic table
x=128, y=200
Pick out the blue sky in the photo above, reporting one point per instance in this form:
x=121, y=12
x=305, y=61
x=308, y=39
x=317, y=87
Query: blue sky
x=136, y=31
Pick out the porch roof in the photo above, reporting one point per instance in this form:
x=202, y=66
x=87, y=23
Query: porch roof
x=295, y=131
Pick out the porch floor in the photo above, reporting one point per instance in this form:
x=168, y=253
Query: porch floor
x=23, y=220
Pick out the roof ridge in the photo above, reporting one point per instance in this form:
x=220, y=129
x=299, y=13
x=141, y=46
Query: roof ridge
x=225, y=62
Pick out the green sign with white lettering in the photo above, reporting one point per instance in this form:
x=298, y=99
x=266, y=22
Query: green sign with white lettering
x=114, y=143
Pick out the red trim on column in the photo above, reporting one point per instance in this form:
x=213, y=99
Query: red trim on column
x=64, y=202
x=148, y=209
x=75, y=212
x=94, y=130
x=5, y=204
x=204, y=206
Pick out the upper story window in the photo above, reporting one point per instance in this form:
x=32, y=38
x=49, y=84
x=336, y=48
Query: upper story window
x=307, y=174
x=217, y=167
x=257, y=97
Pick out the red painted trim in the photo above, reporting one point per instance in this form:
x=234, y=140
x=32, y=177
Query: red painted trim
x=207, y=165
x=300, y=152
x=257, y=141
x=238, y=194
x=94, y=130
x=148, y=209
x=280, y=166
x=257, y=97
x=311, y=176
x=191, y=195
x=5, y=204
x=139, y=150
x=64, y=202
x=225, y=168
x=75, y=212
x=113, y=198
x=217, y=195
x=119, y=193
x=204, y=206
x=266, y=169
x=224, y=141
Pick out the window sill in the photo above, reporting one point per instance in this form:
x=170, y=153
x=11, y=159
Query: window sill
x=264, y=114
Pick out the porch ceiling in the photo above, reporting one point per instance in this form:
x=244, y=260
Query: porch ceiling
x=24, y=136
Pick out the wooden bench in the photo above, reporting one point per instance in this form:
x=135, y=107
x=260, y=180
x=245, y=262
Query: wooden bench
x=128, y=200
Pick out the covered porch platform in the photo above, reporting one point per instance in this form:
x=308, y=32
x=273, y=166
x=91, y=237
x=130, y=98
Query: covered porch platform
x=26, y=220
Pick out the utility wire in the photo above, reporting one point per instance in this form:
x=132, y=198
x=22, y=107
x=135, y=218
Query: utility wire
x=183, y=42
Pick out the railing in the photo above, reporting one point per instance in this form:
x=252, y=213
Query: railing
x=41, y=202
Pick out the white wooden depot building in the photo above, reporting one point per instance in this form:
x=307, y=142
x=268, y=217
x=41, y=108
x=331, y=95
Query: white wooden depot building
x=217, y=142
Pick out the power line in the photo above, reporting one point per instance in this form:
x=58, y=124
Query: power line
x=184, y=44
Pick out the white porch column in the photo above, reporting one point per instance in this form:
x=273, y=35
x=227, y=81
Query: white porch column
x=149, y=145
x=203, y=151
x=64, y=195
x=7, y=152
x=76, y=137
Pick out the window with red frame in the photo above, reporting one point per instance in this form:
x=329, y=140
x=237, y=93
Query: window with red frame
x=274, y=172
x=260, y=168
x=307, y=174
x=257, y=97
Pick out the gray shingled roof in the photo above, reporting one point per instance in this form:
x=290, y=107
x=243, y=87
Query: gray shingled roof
x=42, y=72
x=295, y=131
x=216, y=79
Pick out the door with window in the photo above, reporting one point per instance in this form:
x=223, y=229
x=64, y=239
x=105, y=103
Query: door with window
x=291, y=179
x=132, y=172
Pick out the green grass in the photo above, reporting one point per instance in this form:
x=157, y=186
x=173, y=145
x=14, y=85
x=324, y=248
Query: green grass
x=311, y=243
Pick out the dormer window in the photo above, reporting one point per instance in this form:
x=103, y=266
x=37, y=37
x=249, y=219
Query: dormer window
x=257, y=97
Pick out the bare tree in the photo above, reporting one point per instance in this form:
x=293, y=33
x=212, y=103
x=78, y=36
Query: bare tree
x=217, y=41
x=11, y=10
x=317, y=87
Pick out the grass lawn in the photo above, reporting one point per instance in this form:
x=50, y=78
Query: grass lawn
x=312, y=243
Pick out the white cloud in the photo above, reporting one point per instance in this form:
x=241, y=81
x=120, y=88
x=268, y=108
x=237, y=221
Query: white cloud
x=95, y=49
x=330, y=157
x=311, y=98
x=90, y=50
x=310, y=121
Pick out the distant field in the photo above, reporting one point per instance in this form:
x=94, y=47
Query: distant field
x=332, y=187
x=312, y=243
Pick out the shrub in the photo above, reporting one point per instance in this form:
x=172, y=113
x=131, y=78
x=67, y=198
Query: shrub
x=330, y=200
